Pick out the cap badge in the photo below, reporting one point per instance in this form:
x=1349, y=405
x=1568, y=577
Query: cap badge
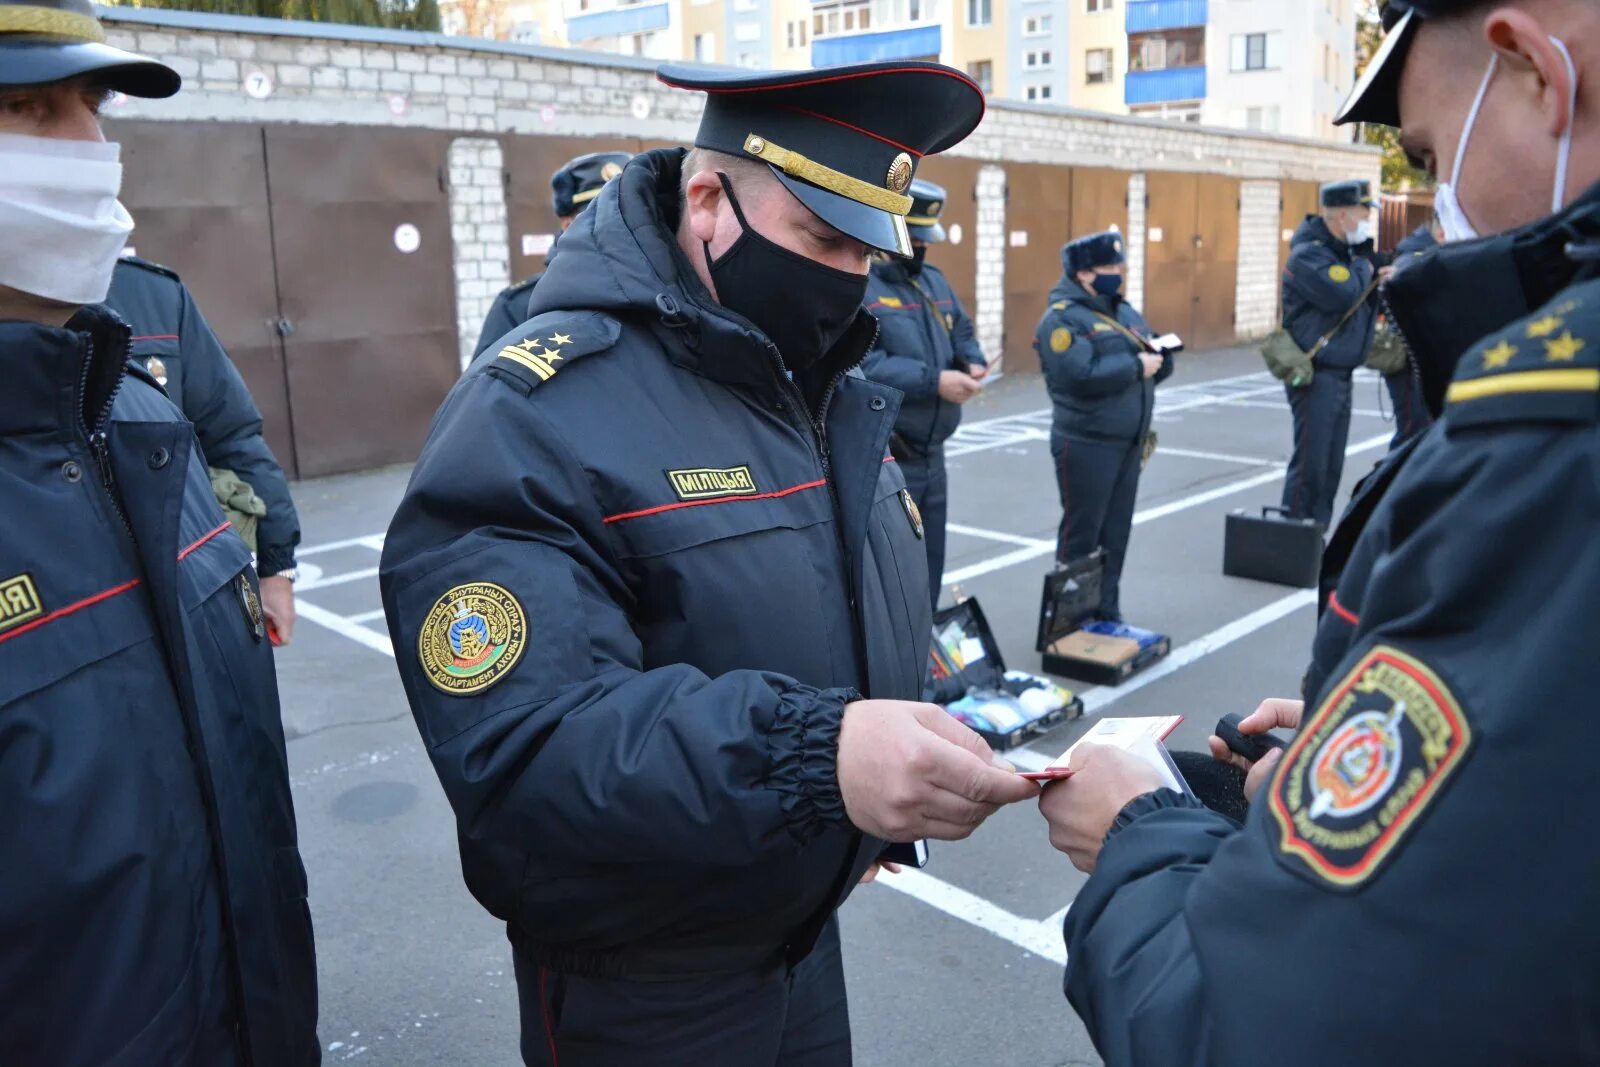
x=899, y=179
x=609, y=171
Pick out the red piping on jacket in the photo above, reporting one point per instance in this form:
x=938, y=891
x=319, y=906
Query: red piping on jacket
x=156, y=337
x=1340, y=610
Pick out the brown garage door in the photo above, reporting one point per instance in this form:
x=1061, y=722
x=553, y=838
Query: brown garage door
x=198, y=193
x=1296, y=200
x=1192, y=256
x=529, y=161
x=958, y=258
x=367, y=286
x=1216, y=261
x=1039, y=221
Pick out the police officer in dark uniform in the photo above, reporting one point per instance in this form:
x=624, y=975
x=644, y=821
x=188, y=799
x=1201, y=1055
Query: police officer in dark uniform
x=577, y=182
x=1431, y=798
x=1101, y=372
x=153, y=908
x=927, y=349
x=173, y=341
x=1323, y=281
x=1405, y=389
x=661, y=621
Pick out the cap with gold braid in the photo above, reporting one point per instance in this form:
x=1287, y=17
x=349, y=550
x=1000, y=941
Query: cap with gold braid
x=580, y=180
x=45, y=41
x=927, y=204
x=845, y=141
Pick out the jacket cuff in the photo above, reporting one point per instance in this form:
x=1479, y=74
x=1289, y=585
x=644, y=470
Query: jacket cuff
x=1149, y=804
x=271, y=560
x=804, y=748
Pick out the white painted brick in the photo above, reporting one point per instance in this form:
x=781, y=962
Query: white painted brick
x=427, y=83
x=472, y=68
x=345, y=57
x=186, y=66
x=394, y=81
x=486, y=87
x=375, y=59
x=238, y=47
x=220, y=70
x=583, y=75
x=157, y=44
x=457, y=87
x=514, y=90
x=312, y=55
x=361, y=79
x=328, y=78
x=292, y=74
x=441, y=65
x=502, y=68
x=410, y=61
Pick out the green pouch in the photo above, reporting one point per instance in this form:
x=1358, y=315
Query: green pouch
x=1287, y=361
x=239, y=503
x=1388, y=353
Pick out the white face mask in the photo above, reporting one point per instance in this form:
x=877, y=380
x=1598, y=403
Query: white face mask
x=1447, y=197
x=1361, y=234
x=63, y=226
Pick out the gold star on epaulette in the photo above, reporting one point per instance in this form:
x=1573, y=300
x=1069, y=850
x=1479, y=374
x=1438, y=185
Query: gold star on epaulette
x=538, y=362
x=1499, y=355
x=560, y=339
x=1545, y=326
x=1563, y=349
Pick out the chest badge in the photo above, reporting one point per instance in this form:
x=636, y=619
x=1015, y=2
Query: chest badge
x=157, y=368
x=471, y=638
x=19, y=601
x=913, y=513
x=253, y=615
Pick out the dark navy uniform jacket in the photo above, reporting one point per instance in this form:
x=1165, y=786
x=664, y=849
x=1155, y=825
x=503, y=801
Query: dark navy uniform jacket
x=509, y=310
x=1092, y=368
x=1415, y=243
x=922, y=331
x=1412, y=885
x=153, y=910
x=170, y=335
x=1323, y=278
x=695, y=565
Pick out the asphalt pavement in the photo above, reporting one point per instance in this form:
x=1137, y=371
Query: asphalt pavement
x=960, y=964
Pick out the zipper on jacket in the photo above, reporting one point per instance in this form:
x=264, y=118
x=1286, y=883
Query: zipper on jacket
x=99, y=445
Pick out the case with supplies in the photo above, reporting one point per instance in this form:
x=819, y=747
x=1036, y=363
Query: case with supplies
x=1074, y=644
x=1271, y=547
x=968, y=677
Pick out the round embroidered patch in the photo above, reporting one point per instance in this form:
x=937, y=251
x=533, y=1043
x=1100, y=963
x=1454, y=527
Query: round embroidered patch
x=471, y=638
x=1060, y=339
x=1339, y=273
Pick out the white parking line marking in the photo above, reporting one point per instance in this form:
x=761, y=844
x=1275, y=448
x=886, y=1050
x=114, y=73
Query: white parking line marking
x=1220, y=457
x=337, y=579
x=1281, y=405
x=365, y=617
x=344, y=627
x=1040, y=938
x=996, y=535
x=366, y=541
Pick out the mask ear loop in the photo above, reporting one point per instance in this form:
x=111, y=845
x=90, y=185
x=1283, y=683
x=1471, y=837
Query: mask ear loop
x=1472, y=120
x=1558, y=199
x=738, y=213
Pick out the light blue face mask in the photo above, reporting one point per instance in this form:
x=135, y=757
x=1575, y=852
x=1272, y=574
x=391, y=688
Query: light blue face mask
x=1447, y=197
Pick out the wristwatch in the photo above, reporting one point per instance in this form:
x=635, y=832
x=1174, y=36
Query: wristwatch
x=291, y=573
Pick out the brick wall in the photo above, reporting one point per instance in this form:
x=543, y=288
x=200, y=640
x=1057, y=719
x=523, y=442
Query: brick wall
x=267, y=70
x=1256, y=301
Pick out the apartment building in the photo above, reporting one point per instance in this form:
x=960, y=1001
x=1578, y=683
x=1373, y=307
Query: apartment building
x=1254, y=64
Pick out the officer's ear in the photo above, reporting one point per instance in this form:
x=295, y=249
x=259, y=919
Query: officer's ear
x=702, y=205
x=1533, y=62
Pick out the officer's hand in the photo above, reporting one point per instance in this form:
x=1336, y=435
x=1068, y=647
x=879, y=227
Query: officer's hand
x=277, y=600
x=1152, y=364
x=957, y=386
x=1081, y=809
x=909, y=770
x=878, y=868
x=1274, y=712
x=977, y=371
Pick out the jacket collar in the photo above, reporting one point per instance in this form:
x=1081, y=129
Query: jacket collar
x=61, y=379
x=1072, y=292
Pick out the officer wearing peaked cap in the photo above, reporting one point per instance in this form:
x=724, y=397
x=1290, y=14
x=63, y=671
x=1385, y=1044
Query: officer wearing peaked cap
x=1101, y=372
x=577, y=182
x=153, y=906
x=658, y=592
x=927, y=349
x=1429, y=778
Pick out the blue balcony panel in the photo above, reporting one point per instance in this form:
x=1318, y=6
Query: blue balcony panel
x=1147, y=15
x=1165, y=86
x=634, y=18
x=867, y=47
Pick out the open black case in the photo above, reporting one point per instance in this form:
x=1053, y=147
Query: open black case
x=1067, y=637
x=968, y=676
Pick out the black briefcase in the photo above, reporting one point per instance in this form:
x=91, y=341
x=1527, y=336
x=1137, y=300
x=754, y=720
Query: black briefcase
x=1271, y=547
x=1073, y=645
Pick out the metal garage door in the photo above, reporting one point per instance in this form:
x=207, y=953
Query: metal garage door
x=529, y=162
x=1192, y=256
x=958, y=258
x=1038, y=222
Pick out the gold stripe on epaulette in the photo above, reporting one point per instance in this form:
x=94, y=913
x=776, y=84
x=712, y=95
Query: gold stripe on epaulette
x=25, y=18
x=809, y=170
x=1567, y=380
x=586, y=196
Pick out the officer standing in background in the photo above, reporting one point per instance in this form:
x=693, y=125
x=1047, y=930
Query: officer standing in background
x=927, y=349
x=662, y=621
x=1327, y=290
x=1405, y=392
x=1101, y=372
x=153, y=905
x=577, y=182
x=1429, y=779
x=173, y=341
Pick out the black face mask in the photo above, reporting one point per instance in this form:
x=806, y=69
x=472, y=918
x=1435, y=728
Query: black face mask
x=1446, y=301
x=801, y=305
x=914, y=264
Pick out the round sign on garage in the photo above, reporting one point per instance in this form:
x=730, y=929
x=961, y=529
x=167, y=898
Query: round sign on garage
x=407, y=238
x=955, y=233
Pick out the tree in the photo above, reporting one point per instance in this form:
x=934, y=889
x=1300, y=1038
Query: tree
x=1398, y=172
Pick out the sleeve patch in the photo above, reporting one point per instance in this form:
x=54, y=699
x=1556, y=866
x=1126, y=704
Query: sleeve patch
x=471, y=638
x=1060, y=339
x=1339, y=273
x=1365, y=769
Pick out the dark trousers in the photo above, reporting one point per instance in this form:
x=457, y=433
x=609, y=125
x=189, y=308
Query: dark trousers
x=1410, y=414
x=1321, y=432
x=930, y=488
x=1098, y=481
x=770, y=1017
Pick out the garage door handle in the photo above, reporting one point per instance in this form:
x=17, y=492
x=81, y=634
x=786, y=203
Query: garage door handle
x=284, y=327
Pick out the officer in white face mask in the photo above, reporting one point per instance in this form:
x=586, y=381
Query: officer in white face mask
x=153, y=910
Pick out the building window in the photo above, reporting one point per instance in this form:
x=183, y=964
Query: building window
x=747, y=32
x=1262, y=118
x=914, y=10
x=749, y=59
x=1169, y=48
x=705, y=48
x=980, y=12
x=1036, y=26
x=1036, y=59
x=864, y=18
x=744, y=5
x=1256, y=51
x=982, y=72
x=796, y=33
x=1038, y=92
x=1097, y=66
x=1099, y=5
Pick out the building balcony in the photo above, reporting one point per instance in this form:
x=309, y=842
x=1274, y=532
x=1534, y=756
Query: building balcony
x=1145, y=16
x=911, y=42
x=619, y=21
x=1165, y=86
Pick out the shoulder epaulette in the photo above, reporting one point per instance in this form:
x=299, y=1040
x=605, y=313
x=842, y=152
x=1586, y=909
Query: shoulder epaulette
x=524, y=286
x=1059, y=305
x=1544, y=368
x=154, y=268
x=543, y=347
